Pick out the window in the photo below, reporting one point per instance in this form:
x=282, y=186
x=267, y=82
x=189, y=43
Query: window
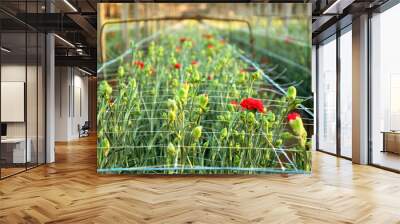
x=346, y=93
x=385, y=89
x=327, y=96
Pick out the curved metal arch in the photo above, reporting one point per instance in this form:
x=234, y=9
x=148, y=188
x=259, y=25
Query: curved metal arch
x=199, y=18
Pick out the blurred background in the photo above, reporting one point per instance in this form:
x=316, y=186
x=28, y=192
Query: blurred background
x=281, y=33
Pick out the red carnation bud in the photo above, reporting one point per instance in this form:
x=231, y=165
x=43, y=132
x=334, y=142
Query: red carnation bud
x=234, y=103
x=194, y=62
x=209, y=77
x=210, y=46
x=177, y=66
x=293, y=116
x=139, y=64
x=178, y=49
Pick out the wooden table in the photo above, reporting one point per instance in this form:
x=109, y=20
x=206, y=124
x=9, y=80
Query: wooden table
x=13, y=150
x=391, y=141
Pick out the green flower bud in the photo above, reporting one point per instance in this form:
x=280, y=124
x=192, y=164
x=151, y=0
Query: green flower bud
x=137, y=108
x=171, y=149
x=172, y=105
x=105, y=145
x=241, y=78
x=121, y=71
x=309, y=145
x=179, y=135
x=196, y=133
x=271, y=116
x=279, y=142
x=269, y=136
x=125, y=100
x=160, y=51
x=265, y=123
x=188, y=44
x=132, y=83
x=231, y=107
x=153, y=91
x=223, y=133
x=237, y=147
x=298, y=127
x=287, y=135
x=250, y=118
x=174, y=83
x=242, y=135
x=100, y=133
x=256, y=75
x=203, y=100
x=105, y=89
x=171, y=116
x=228, y=117
x=122, y=91
x=183, y=93
x=291, y=93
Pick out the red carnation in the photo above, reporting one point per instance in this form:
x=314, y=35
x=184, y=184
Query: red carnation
x=210, y=46
x=288, y=40
x=177, y=66
x=183, y=39
x=234, y=103
x=139, y=64
x=111, y=102
x=252, y=104
x=194, y=62
x=152, y=71
x=208, y=36
x=293, y=116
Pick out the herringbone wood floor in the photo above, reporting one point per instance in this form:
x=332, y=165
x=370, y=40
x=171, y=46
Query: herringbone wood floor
x=70, y=191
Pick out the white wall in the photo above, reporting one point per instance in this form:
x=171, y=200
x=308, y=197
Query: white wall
x=12, y=73
x=70, y=83
x=33, y=127
x=62, y=82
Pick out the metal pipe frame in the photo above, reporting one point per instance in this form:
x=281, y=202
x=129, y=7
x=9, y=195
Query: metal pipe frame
x=198, y=18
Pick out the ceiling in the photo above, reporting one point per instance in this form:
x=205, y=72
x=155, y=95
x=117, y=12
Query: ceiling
x=330, y=15
x=74, y=21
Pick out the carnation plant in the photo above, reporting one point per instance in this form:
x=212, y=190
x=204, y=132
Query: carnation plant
x=186, y=103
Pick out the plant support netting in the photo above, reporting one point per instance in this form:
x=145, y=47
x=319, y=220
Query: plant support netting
x=189, y=102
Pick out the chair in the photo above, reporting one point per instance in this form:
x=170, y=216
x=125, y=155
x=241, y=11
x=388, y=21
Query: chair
x=84, y=130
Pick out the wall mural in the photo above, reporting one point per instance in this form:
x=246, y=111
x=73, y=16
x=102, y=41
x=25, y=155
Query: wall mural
x=204, y=88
